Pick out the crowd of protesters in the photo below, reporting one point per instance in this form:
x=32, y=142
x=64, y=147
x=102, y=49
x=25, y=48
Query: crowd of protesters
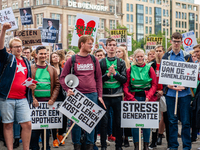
x=112, y=76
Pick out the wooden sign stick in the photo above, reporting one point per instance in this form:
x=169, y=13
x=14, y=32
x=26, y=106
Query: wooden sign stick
x=45, y=139
x=140, y=142
x=176, y=104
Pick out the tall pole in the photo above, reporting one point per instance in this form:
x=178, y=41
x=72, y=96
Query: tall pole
x=166, y=26
x=115, y=15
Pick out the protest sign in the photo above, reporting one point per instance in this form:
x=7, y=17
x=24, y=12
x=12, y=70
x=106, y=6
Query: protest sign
x=80, y=109
x=120, y=35
x=135, y=114
x=129, y=43
x=7, y=40
x=178, y=73
x=104, y=42
x=6, y=15
x=50, y=30
x=189, y=41
x=60, y=30
x=58, y=46
x=29, y=81
x=26, y=16
x=152, y=42
x=85, y=25
x=46, y=116
x=29, y=37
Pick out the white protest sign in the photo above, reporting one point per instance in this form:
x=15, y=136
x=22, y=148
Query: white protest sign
x=135, y=114
x=6, y=15
x=178, y=73
x=85, y=25
x=7, y=40
x=80, y=109
x=189, y=41
x=129, y=43
x=46, y=116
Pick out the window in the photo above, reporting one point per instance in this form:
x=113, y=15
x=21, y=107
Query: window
x=41, y=18
x=140, y=29
x=112, y=9
x=101, y=23
x=140, y=9
x=179, y=15
x=131, y=7
x=167, y=32
x=13, y=6
x=150, y=20
x=24, y=3
x=182, y=15
x=190, y=7
x=127, y=17
x=127, y=7
x=37, y=19
x=146, y=30
x=196, y=34
x=167, y=13
x=158, y=1
x=58, y=2
x=163, y=12
x=152, y=1
x=146, y=10
x=140, y=19
x=131, y=28
x=196, y=26
x=150, y=30
x=146, y=20
x=28, y=3
x=69, y=20
x=167, y=22
x=178, y=4
x=195, y=8
x=185, y=16
x=53, y=16
x=185, y=24
x=37, y=2
x=16, y=5
x=112, y=24
x=52, y=2
x=150, y=10
x=196, y=17
x=128, y=27
x=177, y=24
x=73, y=20
x=184, y=6
x=41, y=2
x=182, y=24
x=163, y=30
x=144, y=0
x=176, y=14
x=131, y=18
x=16, y=18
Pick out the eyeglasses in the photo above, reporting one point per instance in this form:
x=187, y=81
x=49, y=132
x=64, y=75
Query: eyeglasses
x=178, y=42
x=99, y=55
x=17, y=46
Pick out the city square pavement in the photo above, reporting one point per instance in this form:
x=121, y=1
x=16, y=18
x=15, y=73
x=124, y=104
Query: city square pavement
x=69, y=146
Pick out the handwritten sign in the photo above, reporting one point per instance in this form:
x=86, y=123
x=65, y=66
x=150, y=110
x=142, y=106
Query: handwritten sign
x=6, y=15
x=189, y=41
x=29, y=37
x=80, y=109
x=7, y=40
x=120, y=35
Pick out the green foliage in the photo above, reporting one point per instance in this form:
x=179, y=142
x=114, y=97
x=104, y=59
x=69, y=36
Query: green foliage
x=74, y=48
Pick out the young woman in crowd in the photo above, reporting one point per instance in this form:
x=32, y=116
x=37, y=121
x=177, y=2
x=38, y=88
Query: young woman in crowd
x=141, y=85
x=55, y=61
x=121, y=53
x=152, y=58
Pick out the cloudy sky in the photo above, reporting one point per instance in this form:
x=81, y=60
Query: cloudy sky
x=197, y=2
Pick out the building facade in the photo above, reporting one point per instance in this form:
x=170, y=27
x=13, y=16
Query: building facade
x=144, y=17
x=65, y=11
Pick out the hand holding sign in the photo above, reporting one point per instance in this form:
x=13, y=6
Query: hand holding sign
x=35, y=103
x=32, y=86
x=70, y=92
x=6, y=26
x=102, y=102
x=50, y=102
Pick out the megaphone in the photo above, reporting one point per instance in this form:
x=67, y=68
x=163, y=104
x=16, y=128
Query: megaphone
x=71, y=81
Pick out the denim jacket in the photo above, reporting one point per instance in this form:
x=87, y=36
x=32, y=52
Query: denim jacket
x=9, y=74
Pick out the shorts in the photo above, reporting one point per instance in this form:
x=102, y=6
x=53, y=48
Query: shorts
x=15, y=109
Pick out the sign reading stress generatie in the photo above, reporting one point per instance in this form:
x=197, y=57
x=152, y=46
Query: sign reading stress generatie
x=87, y=6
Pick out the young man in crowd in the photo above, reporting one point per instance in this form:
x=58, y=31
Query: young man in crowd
x=100, y=54
x=113, y=76
x=85, y=70
x=184, y=98
x=47, y=90
x=27, y=52
x=14, y=97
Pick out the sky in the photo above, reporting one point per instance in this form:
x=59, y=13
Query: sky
x=197, y=2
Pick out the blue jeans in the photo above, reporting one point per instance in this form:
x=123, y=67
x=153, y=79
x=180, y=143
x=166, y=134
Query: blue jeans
x=184, y=107
x=135, y=131
x=76, y=131
x=16, y=128
x=110, y=121
x=34, y=145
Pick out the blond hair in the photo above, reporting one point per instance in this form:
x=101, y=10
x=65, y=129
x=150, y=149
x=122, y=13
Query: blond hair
x=135, y=53
x=192, y=52
x=125, y=57
x=71, y=51
x=14, y=39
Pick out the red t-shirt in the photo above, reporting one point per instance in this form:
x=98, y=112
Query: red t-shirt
x=18, y=91
x=160, y=86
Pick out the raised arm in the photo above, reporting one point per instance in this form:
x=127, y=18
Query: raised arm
x=5, y=27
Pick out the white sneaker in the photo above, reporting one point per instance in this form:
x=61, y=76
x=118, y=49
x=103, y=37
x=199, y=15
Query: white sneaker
x=108, y=143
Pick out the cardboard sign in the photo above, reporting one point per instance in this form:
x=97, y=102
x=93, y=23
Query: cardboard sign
x=29, y=82
x=85, y=25
x=178, y=73
x=50, y=30
x=120, y=35
x=129, y=43
x=80, y=109
x=7, y=40
x=26, y=16
x=137, y=114
x=152, y=42
x=58, y=46
x=46, y=116
x=6, y=15
x=189, y=41
x=29, y=37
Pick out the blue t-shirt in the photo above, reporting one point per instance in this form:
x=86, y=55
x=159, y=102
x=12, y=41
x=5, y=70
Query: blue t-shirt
x=170, y=92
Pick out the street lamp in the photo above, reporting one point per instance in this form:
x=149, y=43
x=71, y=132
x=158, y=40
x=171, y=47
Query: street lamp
x=115, y=14
x=166, y=5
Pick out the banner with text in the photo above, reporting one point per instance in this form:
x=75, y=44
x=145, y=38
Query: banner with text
x=85, y=25
x=129, y=43
x=46, y=116
x=80, y=109
x=7, y=40
x=152, y=42
x=6, y=15
x=135, y=114
x=120, y=35
x=29, y=37
x=178, y=73
x=26, y=16
x=189, y=41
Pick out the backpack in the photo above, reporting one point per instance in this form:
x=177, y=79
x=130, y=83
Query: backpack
x=74, y=59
